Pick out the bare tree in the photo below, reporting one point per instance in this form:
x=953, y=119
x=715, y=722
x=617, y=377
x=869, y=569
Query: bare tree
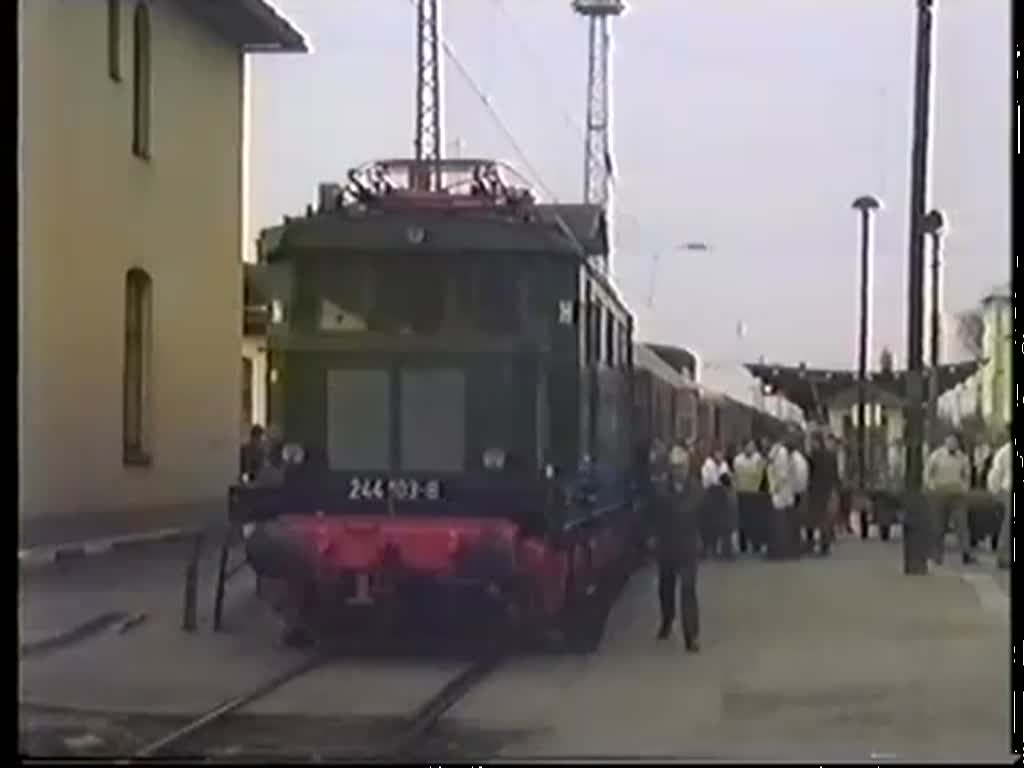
x=970, y=332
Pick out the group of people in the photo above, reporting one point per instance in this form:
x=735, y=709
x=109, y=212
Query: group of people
x=774, y=500
x=771, y=500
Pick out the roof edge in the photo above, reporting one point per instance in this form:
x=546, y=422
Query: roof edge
x=256, y=26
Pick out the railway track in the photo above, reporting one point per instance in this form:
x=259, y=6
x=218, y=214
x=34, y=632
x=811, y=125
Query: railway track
x=223, y=730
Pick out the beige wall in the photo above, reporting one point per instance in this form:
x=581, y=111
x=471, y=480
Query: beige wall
x=92, y=210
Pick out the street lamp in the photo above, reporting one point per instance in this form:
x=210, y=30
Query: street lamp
x=694, y=246
x=867, y=205
x=915, y=538
x=935, y=228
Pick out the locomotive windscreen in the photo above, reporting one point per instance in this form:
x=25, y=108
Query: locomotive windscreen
x=443, y=418
x=404, y=294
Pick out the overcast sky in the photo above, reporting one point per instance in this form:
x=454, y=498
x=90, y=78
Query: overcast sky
x=748, y=124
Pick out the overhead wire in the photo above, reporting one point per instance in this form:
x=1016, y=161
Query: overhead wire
x=570, y=121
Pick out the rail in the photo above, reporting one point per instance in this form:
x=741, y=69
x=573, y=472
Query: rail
x=404, y=743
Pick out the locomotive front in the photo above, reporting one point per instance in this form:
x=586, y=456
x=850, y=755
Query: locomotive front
x=410, y=352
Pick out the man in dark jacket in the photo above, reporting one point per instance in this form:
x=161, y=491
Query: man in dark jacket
x=253, y=454
x=678, y=532
x=824, y=485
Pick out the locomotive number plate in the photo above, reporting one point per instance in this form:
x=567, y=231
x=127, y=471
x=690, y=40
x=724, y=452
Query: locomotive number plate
x=400, y=489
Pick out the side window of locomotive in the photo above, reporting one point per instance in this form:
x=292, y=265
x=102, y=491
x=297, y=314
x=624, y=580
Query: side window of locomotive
x=433, y=420
x=594, y=333
x=609, y=339
x=408, y=296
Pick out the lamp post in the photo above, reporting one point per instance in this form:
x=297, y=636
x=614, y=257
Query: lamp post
x=915, y=554
x=866, y=205
x=694, y=246
x=935, y=228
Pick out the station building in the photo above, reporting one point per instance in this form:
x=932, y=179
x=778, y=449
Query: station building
x=132, y=170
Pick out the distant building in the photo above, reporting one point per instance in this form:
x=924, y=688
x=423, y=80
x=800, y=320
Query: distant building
x=132, y=171
x=256, y=315
x=996, y=376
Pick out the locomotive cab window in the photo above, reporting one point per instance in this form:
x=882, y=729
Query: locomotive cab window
x=343, y=297
x=498, y=296
x=408, y=296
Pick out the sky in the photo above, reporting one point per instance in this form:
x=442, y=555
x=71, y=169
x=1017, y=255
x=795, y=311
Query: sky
x=749, y=125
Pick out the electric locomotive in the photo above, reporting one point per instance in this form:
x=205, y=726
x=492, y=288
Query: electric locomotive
x=451, y=371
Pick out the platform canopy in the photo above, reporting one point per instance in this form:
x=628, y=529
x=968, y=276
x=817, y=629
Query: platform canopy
x=816, y=389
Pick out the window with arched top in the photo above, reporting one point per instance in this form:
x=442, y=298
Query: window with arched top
x=114, y=39
x=141, y=82
x=138, y=332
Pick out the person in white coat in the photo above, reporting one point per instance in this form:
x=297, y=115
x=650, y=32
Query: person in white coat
x=801, y=472
x=780, y=486
x=1000, y=483
x=947, y=478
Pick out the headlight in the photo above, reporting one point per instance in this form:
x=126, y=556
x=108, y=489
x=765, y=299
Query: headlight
x=494, y=458
x=292, y=453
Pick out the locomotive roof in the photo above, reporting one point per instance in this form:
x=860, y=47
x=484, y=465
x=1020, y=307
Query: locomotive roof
x=550, y=228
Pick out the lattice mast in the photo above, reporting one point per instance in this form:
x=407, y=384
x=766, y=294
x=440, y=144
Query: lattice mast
x=597, y=161
x=428, y=94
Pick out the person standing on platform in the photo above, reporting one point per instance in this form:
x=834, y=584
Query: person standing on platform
x=780, y=483
x=823, y=493
x=716, y=479
x=981, y=459
x=947, y=477
x=253, y=454
x=749, y=471
x=678, y=534
x=1000, y=483
x=801, y=478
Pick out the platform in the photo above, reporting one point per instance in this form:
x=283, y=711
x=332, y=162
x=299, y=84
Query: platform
x=840, y=658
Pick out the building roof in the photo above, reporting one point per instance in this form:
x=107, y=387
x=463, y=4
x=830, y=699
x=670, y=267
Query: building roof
x=254, y=25
x=811, y=388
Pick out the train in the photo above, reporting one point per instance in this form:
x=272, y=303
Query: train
x=457, y=384
x=670, y=406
